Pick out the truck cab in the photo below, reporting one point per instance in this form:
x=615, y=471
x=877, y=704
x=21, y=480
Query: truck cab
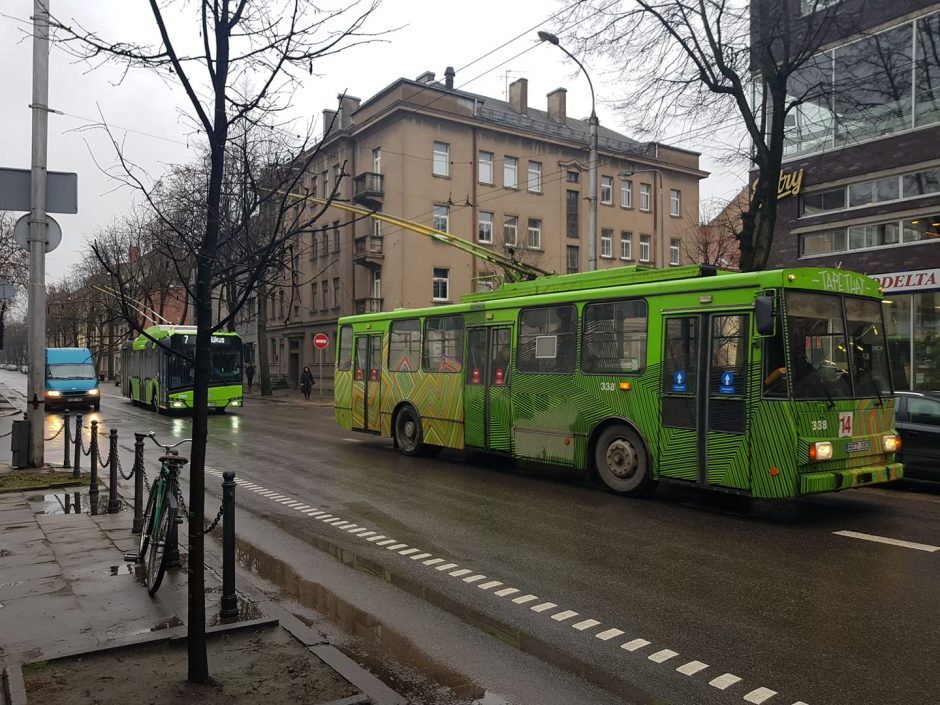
x=71, y=379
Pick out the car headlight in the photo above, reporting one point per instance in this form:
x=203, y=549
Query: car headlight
x=53, y=393
x=93, y=392
x=821, y=450
x=891, y=443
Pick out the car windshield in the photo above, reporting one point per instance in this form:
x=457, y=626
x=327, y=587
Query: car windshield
x=836, y=354
x=78, y=370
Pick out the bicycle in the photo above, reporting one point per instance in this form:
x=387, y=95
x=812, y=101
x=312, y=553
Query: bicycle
x=161, y=516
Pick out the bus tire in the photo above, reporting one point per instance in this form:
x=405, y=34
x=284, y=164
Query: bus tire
x=153, y=402
x=409, y=435
x=622, y=462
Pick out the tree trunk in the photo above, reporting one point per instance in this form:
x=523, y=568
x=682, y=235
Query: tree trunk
x=263, y=371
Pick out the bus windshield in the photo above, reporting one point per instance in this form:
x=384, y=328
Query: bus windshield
x=836, y=353
x=225, y=365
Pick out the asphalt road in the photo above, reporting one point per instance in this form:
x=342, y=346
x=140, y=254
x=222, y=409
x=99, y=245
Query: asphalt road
x=681, y=598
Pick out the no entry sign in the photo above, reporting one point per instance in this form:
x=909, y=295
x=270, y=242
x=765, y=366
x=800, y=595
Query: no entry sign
x=321, y=341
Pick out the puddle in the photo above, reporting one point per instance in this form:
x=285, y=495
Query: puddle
x=70, y=503
x=247, y=611
x=123, y=569
x=169, y=623
x=394, y=659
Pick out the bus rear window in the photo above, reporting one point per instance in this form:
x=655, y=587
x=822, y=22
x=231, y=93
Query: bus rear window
x=614, y=337
x=548, y=339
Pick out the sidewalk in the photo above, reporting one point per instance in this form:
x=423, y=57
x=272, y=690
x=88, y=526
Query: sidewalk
x=292, y=396
x=67, y=597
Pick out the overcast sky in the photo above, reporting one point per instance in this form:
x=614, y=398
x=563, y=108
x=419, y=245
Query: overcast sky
x=145, y=111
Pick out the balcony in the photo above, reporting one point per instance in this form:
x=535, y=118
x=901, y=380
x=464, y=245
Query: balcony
x=368, y=305
x=368, y=252
x=368, y=189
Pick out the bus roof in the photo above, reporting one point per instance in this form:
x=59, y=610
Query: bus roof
x=159, y=332
x=644, y=281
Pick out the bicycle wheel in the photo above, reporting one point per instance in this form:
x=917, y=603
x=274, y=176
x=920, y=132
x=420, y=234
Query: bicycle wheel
x=163, y=533
x=146, y=529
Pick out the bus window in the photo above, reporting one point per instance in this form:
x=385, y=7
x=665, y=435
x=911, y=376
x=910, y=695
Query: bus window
x=404, y=345
x=548, y=339
x=614, y=337
x=775, y=366
x=443, y=344
x=680, y=364
x=344, y=361
x=818, y=348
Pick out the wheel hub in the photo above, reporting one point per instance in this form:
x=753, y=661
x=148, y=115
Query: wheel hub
x=622, y=459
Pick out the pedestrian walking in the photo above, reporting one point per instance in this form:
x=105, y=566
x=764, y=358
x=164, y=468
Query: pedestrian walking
x=306, y=383
x=249, y=374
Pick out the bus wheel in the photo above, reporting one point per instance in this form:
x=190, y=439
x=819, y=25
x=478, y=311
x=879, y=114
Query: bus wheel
x=153, y=403
x=409, y=436
x=622, y=462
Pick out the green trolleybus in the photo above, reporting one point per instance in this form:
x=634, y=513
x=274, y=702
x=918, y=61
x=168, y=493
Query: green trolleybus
x=154, y=377
x=774, y=384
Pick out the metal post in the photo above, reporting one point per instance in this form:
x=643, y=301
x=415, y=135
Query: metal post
x=77, y=467
x=93, y=490
x=229, y=598
x=138, y=483
x=38, y=227
x=113, y=504
x=66, y=458
x=592, y=186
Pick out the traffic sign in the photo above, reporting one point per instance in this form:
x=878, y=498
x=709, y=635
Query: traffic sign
x=321, y=341
x=21, y=233
x=61, y=190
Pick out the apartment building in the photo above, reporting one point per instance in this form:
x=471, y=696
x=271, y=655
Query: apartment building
x=861, y=182
x=502, y=173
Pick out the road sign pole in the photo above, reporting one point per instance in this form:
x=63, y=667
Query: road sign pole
x=36, y=306
x=321, y=374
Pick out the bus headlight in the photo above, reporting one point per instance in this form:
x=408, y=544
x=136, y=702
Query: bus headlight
x=53, y=393
x=93, y=392
x=821, y=450
x=891, y=443
x=235, y=402
x=176, y=404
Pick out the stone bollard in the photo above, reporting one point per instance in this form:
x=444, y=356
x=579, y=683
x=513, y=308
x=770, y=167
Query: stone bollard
x=229, y=598
x=114, y=505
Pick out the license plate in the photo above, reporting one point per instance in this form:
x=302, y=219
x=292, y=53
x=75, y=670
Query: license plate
x=211, y=403
x=858, y=446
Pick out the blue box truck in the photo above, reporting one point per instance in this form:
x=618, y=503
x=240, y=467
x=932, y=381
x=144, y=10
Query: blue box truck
x=71, y=379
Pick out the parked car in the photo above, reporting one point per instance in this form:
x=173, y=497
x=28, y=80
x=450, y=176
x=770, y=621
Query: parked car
x=24, y=369
x=917, y=418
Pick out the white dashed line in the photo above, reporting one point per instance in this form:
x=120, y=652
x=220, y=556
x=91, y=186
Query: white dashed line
x=609, y=634
x=420, y=556
x=302, y=507
x=506, y=591
x=434, y=561
x=311, y=512
x=376, y=537
x=395, y=546
x=386, y=542
x=544, y=606
x=724, y=681
x=585, y=624
x=460, y=573
x=663, y=655
x=525, y=598
x=692, y=667
x=489, y=585
x=326, y=517
x=335, y=522
x=474, y=578
x=365, y=534
x=447, y=566
x=760, y=695
x=635, y=644
x=892, y=542
x=409, y=551
x=344, y=525
x=562, y=616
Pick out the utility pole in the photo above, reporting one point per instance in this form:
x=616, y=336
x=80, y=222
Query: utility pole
x=38, y=227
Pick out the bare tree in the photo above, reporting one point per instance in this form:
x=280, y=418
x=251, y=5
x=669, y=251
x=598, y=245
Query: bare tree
x=250, y=54
x=714, y=239
x=700, y=61
x=14, y=263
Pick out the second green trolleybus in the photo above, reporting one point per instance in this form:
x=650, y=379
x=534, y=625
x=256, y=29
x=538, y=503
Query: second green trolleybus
x=774, y=384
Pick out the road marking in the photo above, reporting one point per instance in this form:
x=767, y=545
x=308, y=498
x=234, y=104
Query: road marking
x=302, y=507
x=387, y=542
x=447, y=566
x=585, y=624
x=562, y=616
x=663, y=655
x=311, y=512
x=336, y=521
x=420, y=556
x=357, y=531
x=474, y=578
x=506, y=591
x=544, y=606
x=525, y=598
x=609, y=634
x=692, y=667
x=395, y=546
x=365, y=534
x=376, y=537
x=893, y=542
x=760, y=695
x=724, y=681
x=325, y=517
x=489, y=585
x=635, y=645
x=459, y=572
x=434, y=561
x=409, y=551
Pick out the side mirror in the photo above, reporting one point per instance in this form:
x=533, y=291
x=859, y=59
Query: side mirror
x=764, y=315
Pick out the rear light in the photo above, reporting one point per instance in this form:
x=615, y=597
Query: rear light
x=891, y=443
x=822, y=450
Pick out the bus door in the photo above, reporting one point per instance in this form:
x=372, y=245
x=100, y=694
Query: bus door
x=704, y=399
x=487, y=411
x=367, y=383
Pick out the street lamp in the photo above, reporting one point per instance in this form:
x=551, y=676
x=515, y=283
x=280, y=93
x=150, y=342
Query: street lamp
x=662, y=223
x=592, y=155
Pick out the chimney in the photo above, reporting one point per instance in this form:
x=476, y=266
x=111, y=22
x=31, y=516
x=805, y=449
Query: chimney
x=426, y=77
x=449, y=78
x=519, y=95
x=556, y=105
x=328, y=122
x=348, y=104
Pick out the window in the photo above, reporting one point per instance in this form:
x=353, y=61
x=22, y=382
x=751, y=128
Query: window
x=441, y=218
x=486, y=167
x=607, y=242
x=314, y=236
x=644, y=248
x=337, y=175
x=313, y=185
x=440, y=165
x=377, y=160
x=808, y=7
x=313, y=297
x=510, y=230
x=923, y=411
x=440, y=289
x=326, y=241
x=336, y=294
x=674, y=252
x=486, y=227
x=572, y=198
x=336, y=236
x=377, y=285
x=535, y=177
x=548, y=339
x=626, y=194
x=921, y=183
x=325, y=178
x=573, y=177
x=344, y=354
x=404, y=345
x=675, y=202
x=822, y=201
x=443, y=344
x=607, y=189
x=645, y=191
x=376, y=228
x=534, y=237
x=614, y=337
x=510, y=172
x=571, y=258
x=857, y=237
x=927, y=71
x=626, y=245
x=324, y=295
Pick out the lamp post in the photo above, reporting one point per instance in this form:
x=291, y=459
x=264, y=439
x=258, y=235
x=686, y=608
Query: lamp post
x=592, y=155
x=659, y=207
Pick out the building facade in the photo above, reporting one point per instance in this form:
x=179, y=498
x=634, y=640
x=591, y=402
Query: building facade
x=498, y=172
x=861, y=182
